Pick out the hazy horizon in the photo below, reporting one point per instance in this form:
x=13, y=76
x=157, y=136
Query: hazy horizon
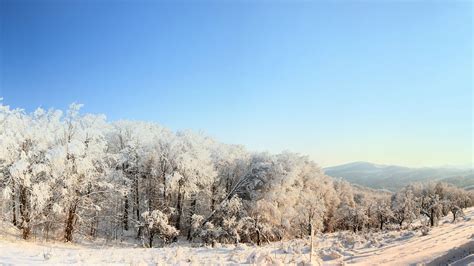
x=388, y=83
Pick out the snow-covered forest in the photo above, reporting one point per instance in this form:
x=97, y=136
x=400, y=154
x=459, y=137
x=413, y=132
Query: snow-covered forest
x=69, y=174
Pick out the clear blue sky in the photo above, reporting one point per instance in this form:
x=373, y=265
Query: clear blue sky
x=343, y=81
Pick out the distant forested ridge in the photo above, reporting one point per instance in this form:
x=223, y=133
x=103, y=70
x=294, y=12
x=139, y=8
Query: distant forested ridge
x=394, y=177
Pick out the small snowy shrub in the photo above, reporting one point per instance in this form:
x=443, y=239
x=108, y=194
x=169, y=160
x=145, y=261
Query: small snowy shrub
x=47, y=254
x=260, y=258
x=209, y=233
x=157, y=222
x=425, y=230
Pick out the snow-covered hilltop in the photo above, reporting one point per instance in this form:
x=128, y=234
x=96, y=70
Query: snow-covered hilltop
x=78, y=178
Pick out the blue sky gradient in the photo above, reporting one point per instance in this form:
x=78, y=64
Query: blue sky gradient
x=341, y=81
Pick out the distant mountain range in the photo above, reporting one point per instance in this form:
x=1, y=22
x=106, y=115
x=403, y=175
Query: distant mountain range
x=392, y=177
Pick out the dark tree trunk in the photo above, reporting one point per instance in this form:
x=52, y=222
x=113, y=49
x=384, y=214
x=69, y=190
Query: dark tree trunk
x=432, y=218
x=137, y=200
x=125, y=214
x=193, y=211
x=150, y=238
x=164, y=189
x=14, y=221
x=213, y=198
x=137, y=205
x=25, y=212
x=179, y=206
x=259, y=238
x=70, y=223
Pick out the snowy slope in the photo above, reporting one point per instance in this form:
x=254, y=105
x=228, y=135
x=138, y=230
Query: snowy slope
x=447, y=242
x=453, y=243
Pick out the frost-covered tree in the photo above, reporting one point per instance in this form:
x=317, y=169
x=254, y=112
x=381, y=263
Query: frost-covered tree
x=430, y=203
x=193, y=171
x=351, y=218
x=144, y=160
x=439, y=199
x=316, y=196
x=27, y=180
x=345, y=193
x=404, y=206
x=453, y=199
x=79, y=167
x=383, y=213
x=157, y=223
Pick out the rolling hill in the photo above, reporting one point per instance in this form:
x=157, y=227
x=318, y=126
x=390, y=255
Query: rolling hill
x=393, y=177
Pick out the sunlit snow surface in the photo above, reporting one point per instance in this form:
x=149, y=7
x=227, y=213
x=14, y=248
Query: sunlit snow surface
x=447, y=243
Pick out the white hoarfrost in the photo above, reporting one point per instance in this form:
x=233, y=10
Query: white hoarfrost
x=449, y=242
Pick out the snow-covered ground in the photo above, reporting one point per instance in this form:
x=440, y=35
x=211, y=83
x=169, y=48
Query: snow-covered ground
x=447, y=243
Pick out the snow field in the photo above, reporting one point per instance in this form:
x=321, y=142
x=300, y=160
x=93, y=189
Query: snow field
x=447, y=243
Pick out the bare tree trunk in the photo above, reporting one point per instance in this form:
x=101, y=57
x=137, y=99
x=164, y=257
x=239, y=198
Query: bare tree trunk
x=14, y=221
x=125, y=214
x=179, y=206
x=259, y=238
x=137, y=205
x=432, y=218
x=13, y=199
x=70, y=223
x=213, y=196
x=150, y=238
x=25, y=212
x=193, y=211
x=164, y=188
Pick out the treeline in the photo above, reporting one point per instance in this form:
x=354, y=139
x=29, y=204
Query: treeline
x=73, y=174
x=426, y=201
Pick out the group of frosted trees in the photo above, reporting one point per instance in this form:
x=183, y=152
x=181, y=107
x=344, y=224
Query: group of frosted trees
x=77, y=175
x=429, y=202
